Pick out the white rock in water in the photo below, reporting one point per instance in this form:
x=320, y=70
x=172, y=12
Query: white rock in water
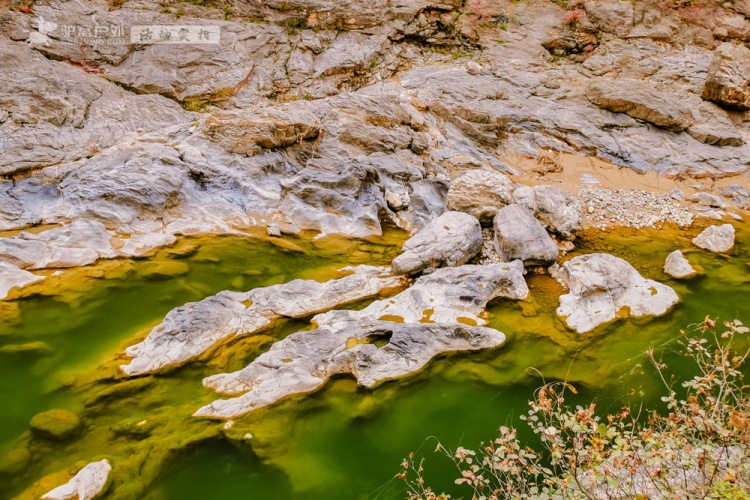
x=190, y=330
x=718, y=239
x=77, y=244
x=678, y=266
x=450, y=240
x=85, y=485
x=438, y=314
x=604, y=287
x=11, y=276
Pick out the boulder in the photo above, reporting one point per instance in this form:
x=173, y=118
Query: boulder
x=641, y=101
x=450, y=240
x=718, y=239
x=728, y=80
x=192, y=329
x=55, y=424
x=518, y=235
x=559, y=211
x=677, y=266
x=440, y=313
x=480, y=193
x=11, y=276
x=603, y=287
x=87, y=484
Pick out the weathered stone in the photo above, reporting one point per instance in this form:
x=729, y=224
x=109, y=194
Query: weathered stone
x=677, y=266
x=728, y=80
x=190, y=330
x=641, y=101
x=480, y=193
x=55, y=424
x=450, y=240
x=603, y=288
x=518, y=235
x=719, y=239
x=85, y=485
x=438, y=314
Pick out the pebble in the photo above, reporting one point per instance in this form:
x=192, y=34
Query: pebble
x=635, y=208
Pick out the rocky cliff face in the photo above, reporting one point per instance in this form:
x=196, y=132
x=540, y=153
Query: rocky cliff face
x=158, y=119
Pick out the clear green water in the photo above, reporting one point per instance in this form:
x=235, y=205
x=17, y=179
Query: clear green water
x=340, y=443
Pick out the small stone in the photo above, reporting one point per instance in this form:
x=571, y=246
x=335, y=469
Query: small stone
x=273, y=231
x=473, y=68
x=589, y=179
x=676, y=194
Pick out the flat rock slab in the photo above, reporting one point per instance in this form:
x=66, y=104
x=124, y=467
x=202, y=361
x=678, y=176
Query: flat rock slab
x=719, y=239
x=604, y=287
x=518, y=235
x=641, y=101
x=87, y=484
x=190, y=330
x=450, y=240
x=438, y=314
x=677, y=266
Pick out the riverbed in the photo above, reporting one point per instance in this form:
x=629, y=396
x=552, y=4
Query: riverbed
x=62, y=340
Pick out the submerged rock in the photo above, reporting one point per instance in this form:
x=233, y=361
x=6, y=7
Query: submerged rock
x=55, y=424
x=87, y=484
x=677, y=266
x=11, y=276
x=450, y=240
x=480, y=193
x=518, y=235
x=718, y=239
x=604, y=287
x=30, y=349
x=190, y=330
x=438, y=314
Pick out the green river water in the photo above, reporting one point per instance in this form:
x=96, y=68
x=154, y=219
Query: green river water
x=343, y=442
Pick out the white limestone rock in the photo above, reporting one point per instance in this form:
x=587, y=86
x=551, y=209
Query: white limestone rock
x=11, y=276
x=438, y=314
x=192, y=329
x=604, y=287
x=450, y=240
x=719, y=239
x=87, y=484
x=677, y=266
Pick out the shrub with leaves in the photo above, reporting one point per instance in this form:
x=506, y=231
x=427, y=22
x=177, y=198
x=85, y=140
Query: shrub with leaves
x=699, y=447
